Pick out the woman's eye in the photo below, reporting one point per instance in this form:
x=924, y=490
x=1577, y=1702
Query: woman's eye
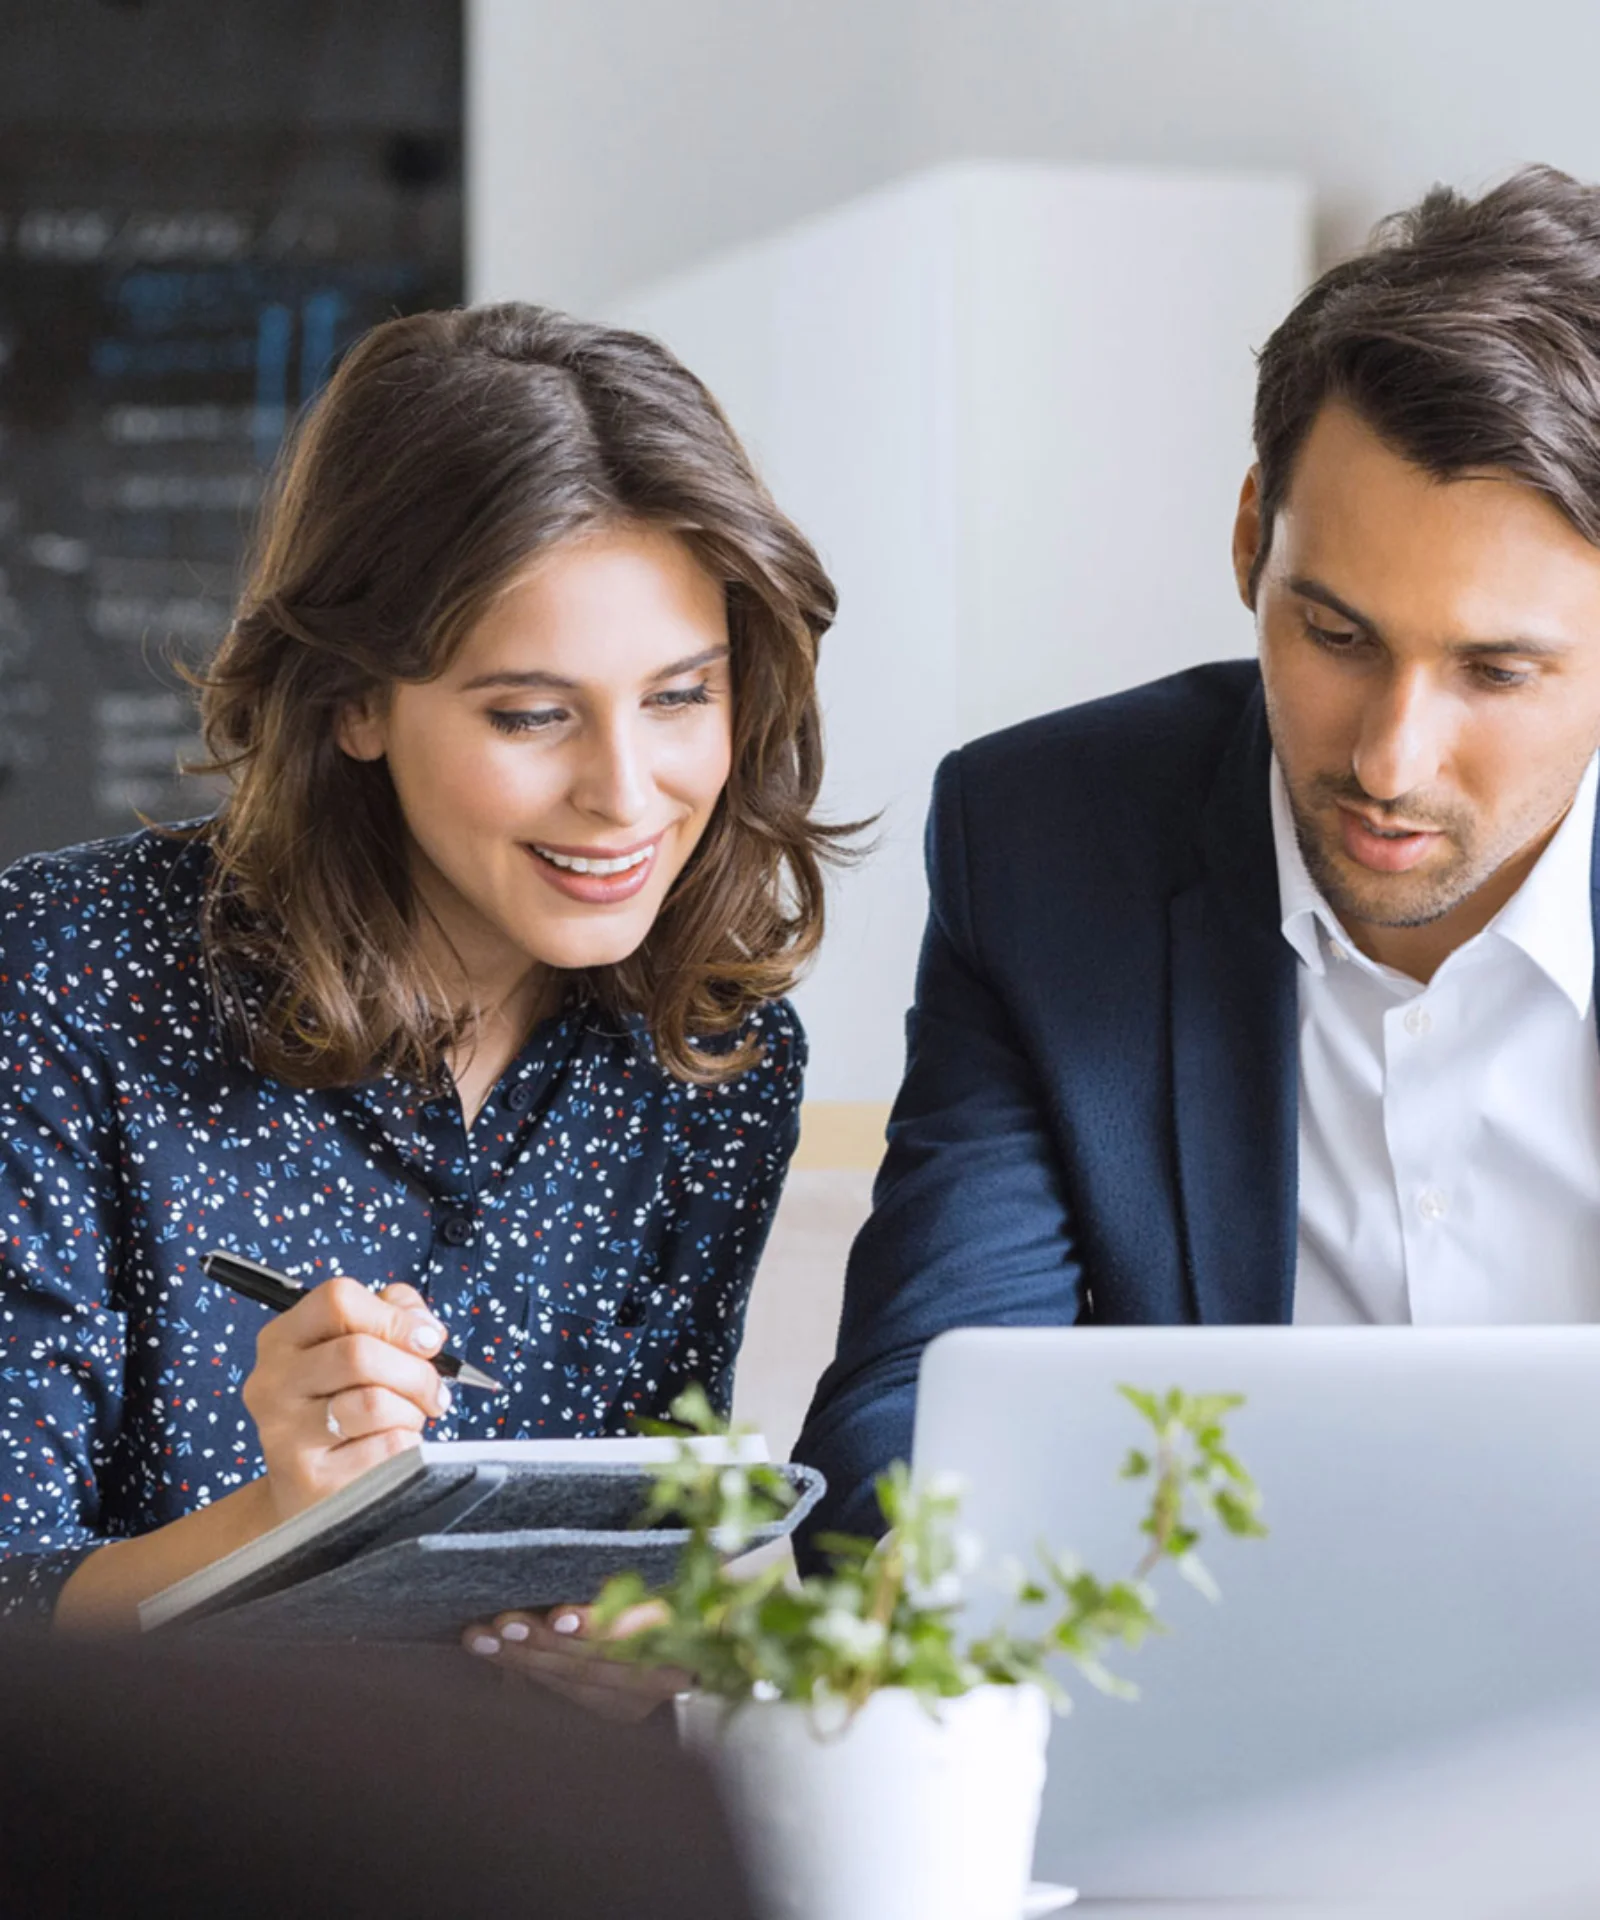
x=677, y=698
x=535, y=720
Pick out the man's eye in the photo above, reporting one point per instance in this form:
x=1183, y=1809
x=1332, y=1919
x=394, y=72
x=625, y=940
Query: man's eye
x=1335, y=639
x=1500, y=676
x=534, y=720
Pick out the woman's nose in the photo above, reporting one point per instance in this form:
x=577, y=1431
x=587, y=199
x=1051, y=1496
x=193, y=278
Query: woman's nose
x=614, y=781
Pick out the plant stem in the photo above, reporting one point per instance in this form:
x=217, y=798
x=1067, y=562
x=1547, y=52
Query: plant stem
x=1164, y=1507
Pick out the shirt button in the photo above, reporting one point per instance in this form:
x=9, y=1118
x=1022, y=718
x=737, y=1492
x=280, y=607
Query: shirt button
x=520, y=1098
x=1418, y=1020
x=1432, y=1204
x=455, y=1230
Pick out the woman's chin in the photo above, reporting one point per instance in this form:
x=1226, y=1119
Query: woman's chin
x=573, y=949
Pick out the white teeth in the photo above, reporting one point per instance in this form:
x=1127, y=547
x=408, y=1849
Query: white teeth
x=575, y=863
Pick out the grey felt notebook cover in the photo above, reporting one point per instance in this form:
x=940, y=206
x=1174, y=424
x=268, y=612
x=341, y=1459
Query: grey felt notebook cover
x=532, y=1538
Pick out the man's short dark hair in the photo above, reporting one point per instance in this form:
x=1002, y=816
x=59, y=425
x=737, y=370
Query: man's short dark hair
x=1467, y=336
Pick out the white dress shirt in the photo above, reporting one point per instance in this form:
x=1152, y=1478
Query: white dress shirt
x=1450, y=1134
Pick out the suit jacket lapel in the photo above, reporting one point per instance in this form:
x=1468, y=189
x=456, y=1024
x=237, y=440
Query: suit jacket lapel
x=1235, y=1051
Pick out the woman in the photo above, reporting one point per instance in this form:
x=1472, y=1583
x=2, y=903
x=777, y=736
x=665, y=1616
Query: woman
x=466, y=1007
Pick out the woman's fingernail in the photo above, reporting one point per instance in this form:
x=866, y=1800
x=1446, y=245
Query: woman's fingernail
x=483, y=1643
x=514, y=1630
x=427, y=1336
x=444, y=1399
x=565, y=1623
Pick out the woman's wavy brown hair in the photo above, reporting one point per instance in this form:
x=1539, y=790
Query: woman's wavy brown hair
x=447, y=451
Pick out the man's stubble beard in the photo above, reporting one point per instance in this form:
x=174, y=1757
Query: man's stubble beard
x=1431, y=896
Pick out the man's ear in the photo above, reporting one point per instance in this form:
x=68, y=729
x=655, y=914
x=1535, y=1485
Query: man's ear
x=361, y=732
x=1247, y=536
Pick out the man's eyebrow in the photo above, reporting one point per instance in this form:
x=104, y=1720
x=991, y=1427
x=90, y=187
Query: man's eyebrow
x=1310, y=589
x=556, y=683
x=1527, y=649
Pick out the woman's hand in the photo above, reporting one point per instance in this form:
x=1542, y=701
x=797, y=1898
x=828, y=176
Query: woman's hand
x=341, y=1381
x=556, y=1650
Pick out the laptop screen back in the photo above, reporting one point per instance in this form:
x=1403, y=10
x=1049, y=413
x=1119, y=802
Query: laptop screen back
x=1433, y=1561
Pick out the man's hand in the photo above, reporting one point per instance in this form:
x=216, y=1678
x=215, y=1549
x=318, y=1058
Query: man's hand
x=557, y=1650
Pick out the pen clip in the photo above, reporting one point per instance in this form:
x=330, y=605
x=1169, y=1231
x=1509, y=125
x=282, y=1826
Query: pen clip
x=214, y=1266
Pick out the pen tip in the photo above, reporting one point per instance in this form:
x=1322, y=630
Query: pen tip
x=471, y=1376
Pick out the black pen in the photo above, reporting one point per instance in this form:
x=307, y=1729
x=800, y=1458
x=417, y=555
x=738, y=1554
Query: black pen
x=278, y=1291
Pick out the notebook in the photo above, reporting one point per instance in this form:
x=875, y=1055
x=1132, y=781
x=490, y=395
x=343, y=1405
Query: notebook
x=450, y=1532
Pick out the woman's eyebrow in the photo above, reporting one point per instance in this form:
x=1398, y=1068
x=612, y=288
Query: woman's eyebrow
x=536, y=678
x=706, y=659
x=531, y=679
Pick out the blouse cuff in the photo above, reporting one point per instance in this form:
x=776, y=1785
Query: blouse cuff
x=31, y=1579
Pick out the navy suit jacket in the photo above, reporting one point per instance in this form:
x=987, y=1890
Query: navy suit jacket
x=1098, y=1118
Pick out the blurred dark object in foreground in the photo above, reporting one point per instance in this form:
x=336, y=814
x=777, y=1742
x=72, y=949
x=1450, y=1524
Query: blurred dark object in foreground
x=139, y=1781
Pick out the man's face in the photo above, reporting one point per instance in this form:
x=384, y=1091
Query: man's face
x=1431, y=657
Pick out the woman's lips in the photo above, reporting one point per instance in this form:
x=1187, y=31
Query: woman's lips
x=597, y=889
x=1384, y=849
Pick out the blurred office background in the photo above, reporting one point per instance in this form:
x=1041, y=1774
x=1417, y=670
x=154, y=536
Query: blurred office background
x=980, y=283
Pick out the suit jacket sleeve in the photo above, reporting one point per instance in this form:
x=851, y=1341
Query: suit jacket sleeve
x=970, y=1225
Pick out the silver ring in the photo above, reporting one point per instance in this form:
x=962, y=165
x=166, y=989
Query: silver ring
x=333, y=1424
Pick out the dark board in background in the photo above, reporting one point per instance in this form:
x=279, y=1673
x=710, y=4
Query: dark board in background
x=202, y=202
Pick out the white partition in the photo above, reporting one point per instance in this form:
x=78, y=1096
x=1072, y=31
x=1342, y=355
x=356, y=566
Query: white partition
x=1011, y=406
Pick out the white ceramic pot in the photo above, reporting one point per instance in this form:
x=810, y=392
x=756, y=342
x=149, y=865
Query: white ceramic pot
x=896, y=1816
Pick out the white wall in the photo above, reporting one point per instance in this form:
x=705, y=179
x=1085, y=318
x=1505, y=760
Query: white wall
x=969, y=389
x=613, y=141
x=610, y=141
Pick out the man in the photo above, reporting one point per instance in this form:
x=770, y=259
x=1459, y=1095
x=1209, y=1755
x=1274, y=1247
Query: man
x=1266, y=993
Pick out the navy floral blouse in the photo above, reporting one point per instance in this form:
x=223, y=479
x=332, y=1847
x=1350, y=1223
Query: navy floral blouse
x=590, y=1240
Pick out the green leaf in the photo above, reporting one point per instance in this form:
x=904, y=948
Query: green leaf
x=1103, y=1680
x=1238, y=1514
x=1147, y=1403
x=887, y=1612
x=693, y=1409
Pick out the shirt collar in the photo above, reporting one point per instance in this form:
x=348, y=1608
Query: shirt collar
x=1300, y=902
x=1550, y=917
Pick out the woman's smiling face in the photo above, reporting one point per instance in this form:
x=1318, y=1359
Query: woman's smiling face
x=558, y=775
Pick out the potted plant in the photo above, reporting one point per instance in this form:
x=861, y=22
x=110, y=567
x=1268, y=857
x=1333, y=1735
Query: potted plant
x=881, y=1762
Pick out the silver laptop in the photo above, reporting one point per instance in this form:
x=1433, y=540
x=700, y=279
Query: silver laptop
x=1433, y=1562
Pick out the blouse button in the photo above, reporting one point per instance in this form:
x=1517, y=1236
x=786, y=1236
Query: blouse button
x=632, y=1313
x=456, y=1230
x=520, y=1098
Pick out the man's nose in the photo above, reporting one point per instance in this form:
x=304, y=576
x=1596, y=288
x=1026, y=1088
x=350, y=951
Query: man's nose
x=1400, y=744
